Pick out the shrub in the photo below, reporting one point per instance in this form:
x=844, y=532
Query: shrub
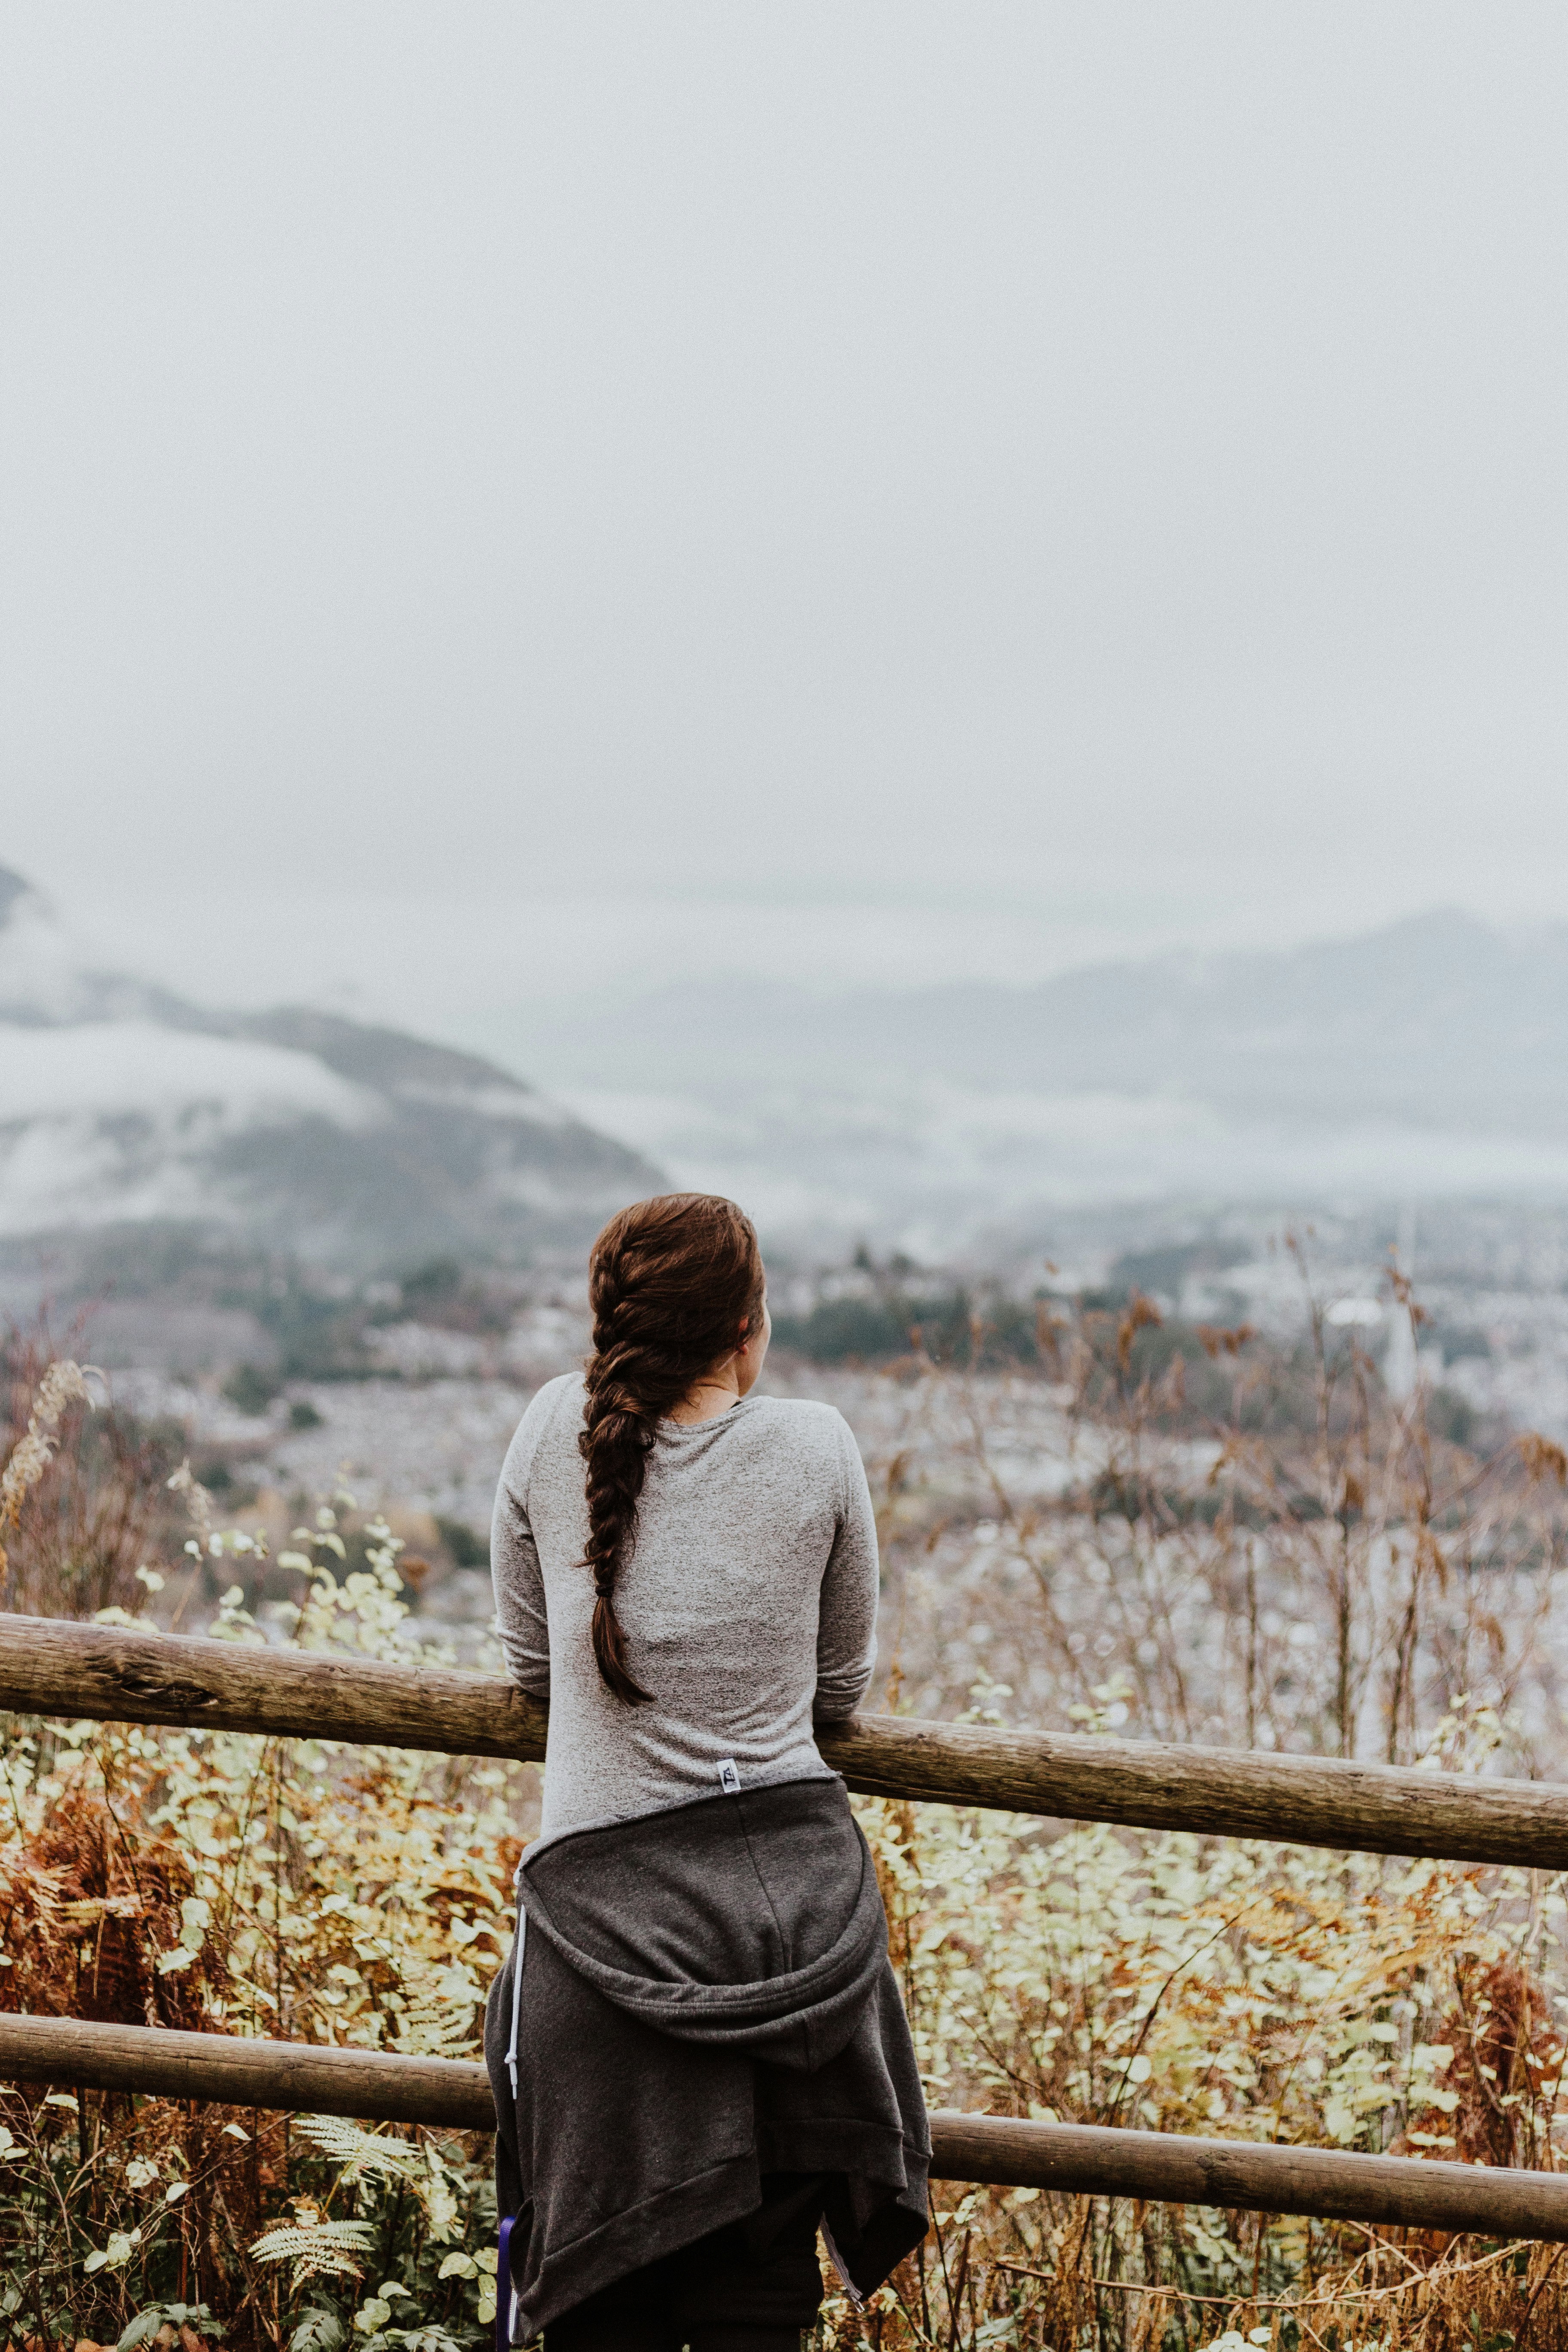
x=251, y=1390
x=235, y=1884
x=468, y=1547
x=332, y=1894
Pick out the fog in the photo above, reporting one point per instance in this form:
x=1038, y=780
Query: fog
x=504, y=502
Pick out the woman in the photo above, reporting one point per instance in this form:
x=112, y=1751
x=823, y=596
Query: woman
x=697, y=2047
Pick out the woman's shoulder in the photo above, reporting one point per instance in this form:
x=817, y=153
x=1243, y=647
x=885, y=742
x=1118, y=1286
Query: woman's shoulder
x=559, y=1400
x=554, y=1411
x=804, y=1422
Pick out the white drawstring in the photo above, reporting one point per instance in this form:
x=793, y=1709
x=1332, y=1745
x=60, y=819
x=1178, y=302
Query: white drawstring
x=518, y=1943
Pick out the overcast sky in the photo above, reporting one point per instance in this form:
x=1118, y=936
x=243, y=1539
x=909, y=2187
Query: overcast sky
x=901, y=484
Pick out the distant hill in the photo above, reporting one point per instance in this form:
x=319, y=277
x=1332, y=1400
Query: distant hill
x=1425, y=1060
x=122, y=1105
x=1437, y=1018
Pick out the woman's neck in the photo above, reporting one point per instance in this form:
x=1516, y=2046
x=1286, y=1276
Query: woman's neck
x=711, y=1396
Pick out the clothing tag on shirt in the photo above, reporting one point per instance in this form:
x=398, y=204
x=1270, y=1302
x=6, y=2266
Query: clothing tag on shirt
x=729, y=1779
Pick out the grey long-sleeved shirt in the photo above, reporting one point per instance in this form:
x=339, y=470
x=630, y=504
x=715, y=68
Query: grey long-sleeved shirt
x=748, y=1602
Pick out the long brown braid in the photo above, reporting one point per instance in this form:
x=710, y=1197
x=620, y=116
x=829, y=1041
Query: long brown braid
x=676, y=1285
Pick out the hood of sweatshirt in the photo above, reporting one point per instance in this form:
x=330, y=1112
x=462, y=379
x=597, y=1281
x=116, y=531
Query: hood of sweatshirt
x=751, y=1921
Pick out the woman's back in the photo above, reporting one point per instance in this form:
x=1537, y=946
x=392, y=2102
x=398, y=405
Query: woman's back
x=748, y=1601
x=699, y=2052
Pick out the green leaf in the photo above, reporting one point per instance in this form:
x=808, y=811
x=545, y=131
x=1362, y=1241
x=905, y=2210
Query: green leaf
x=319, y=2331
x=146, y=2322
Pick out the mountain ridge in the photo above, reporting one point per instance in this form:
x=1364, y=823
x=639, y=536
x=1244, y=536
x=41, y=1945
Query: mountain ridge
x=122, y=1104
x=1438, y=1015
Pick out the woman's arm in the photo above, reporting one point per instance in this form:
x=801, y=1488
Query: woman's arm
x=515, y=1573
x=846, y=1621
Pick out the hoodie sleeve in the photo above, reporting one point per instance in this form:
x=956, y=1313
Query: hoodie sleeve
x=846, y=1618
x=520, y=1617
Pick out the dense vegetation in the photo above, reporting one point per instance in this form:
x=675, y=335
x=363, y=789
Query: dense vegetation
x=1126, y=1532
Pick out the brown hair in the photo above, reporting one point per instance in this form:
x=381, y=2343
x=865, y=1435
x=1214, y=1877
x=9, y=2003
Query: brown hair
x=675, y=1283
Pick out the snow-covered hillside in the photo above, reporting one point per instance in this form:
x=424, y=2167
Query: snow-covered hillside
x=121, y=1103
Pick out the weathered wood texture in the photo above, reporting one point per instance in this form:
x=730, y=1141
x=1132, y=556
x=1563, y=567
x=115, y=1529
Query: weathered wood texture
x=1074, y=2157
x=117, y=1675
x=1166, y=2169
x=224, y=2070
x=112, y=1673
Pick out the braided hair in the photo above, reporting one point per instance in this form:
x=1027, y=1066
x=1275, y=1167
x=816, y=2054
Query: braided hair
x=676, y=1285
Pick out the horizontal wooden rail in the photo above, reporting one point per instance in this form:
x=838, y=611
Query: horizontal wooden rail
x=229, y=2071
x=1074, y=2158
x=110, y=1673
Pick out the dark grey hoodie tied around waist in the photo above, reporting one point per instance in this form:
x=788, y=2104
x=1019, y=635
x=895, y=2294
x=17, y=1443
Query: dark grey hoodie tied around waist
x=706, y=1998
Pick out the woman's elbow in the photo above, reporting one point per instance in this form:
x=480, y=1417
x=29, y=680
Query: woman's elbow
x=836, y=1701
x=530, y=1674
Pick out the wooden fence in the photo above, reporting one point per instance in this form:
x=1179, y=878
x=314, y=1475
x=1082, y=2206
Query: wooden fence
x=112, y=1673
